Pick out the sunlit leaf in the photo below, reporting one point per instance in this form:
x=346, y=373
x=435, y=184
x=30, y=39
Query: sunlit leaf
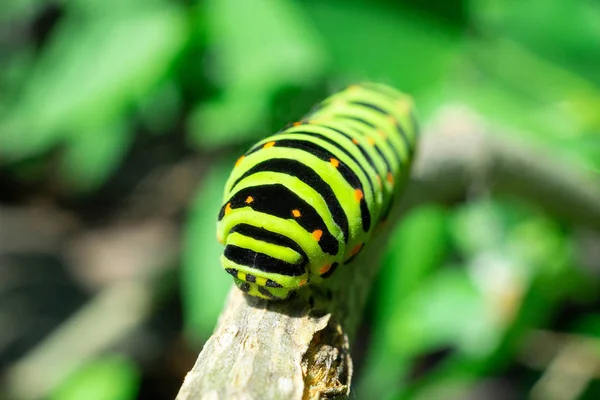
x=446, y=310
x=89, y=73
x=370, y=40
x=565, y=31
x=275, y=46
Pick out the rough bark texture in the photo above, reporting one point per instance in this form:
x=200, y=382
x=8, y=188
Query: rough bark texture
x=297, y=350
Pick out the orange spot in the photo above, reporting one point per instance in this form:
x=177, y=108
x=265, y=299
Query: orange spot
x=392, y=120
x=355, y=250
x=296, y=213
x=354, y=141
x=358, y=194
x=249, y=199
x=334, y=162
x=227, y=208
x=379, y=180
x=303, y=282
x=317, y=234
x=268, y=144
x=219, y=239
x=371, y=141
x=382, y=134
x=324, y=269
x=297, y=123
x=390, y=178
x=239, y=161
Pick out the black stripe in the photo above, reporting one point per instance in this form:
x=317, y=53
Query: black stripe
x=232, y=271
x=386, y=213
x=254, y=149
x=279, y=201
x=264, y=291
x=269, y=237
x=415, y=122
x=398, y=127
x=363, y=152
x=273, y=284
x=349, y=260
x=353, y=118
x=262, y=262
x=342, y=149
x=244, y=286
x=402, y=133
x=371, y=106
x=383, y=157
x=331, y=270
x=309, y=177
x=375, y=146
x=347, y=173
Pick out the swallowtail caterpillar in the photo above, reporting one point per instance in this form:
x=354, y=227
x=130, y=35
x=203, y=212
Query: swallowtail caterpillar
x=304, y=202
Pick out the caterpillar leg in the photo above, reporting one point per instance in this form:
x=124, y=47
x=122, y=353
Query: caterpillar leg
x=263, y=292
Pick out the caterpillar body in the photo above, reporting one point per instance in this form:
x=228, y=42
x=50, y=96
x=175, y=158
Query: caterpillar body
x=303, y=202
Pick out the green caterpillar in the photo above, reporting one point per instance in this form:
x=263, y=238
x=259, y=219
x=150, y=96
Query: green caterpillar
x=303, y=202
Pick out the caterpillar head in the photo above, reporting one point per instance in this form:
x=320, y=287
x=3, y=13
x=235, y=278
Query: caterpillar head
x=263, y=263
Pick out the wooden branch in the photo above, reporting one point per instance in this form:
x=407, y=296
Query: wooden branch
x=463, y=154
x=291, y=350
x=297, y=349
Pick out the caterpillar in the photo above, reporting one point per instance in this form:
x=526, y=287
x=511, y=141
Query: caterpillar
x=303, y=202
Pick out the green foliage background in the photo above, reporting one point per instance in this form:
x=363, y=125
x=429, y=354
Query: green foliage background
x=83, y=82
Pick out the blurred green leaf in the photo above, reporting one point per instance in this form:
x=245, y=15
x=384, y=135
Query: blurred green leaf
x=588, y=325
x=408, y=261
x=159, y=110
x=387, y=43
x=410, y=258
x=564, y=31
x=89, y=74
x=513, y=259
x=553, y=89
x=275, y=46
x=528, y=120
x=88, y=8
x=17, y=10
x=447, y=310
x=106, y=378
x=92, y=155
x=204, y=283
